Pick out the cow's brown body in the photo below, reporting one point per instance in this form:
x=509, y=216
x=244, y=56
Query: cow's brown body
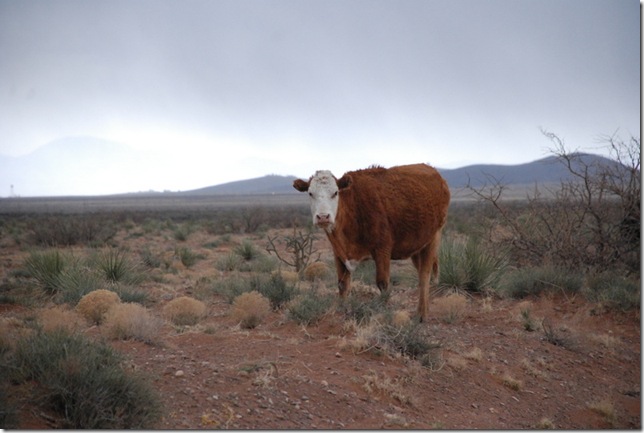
x=385, y=214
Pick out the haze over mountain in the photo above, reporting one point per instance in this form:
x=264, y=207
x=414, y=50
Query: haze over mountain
x=91, y=166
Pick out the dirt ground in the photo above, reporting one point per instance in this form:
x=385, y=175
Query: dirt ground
x=488, y=372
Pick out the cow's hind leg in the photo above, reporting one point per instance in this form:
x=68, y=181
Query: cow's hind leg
x=426, y=262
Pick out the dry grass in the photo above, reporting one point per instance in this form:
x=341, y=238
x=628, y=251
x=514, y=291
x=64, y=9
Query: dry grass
x=316, y=271
x=290, y=277
x=511, y=382
x=545, y=424
x=532, y=370
x=605, y=408
x=383, y=384
x=95, y=305
x=475, y=354
x=184, y=310
x=400, y=318
x=132, y=321
x=451, y=308
x=60, y=318
x=249, y=309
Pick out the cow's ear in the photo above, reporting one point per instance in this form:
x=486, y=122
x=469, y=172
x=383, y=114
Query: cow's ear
x=301, y=185
x=344, y=182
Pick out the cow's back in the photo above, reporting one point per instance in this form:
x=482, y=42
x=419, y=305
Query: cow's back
x=406, y=204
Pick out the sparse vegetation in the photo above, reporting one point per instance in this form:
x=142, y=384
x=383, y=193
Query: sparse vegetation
x=132, y=321
x=94, y=305
x=452, y=307
x=184, y=311
x=249, y=309
x=83, y=382
x=309, y=307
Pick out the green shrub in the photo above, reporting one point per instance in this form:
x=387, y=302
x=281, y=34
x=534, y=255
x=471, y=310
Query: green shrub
x=116, y=267
x=46, y=267
x=247, y=250
x=229, y=262
x=149, y=259
x=76, y=281
x=534, y=281
x=232, y=287
x=613, y=291
x=84, y=382
x=466, y=265
x=275, y=289
x=187, y=256
x=309, y=307
x=362, y=310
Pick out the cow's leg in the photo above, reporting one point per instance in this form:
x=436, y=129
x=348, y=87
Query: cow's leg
x=344, y=277
x=427, y=264
x=383, y=261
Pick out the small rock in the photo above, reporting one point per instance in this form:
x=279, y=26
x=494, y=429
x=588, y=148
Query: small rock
x=179, y=373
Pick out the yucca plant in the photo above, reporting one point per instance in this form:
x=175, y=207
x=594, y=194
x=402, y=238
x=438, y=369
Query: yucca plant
x=46, y=267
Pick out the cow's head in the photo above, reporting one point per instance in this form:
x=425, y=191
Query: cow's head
x=323, y=189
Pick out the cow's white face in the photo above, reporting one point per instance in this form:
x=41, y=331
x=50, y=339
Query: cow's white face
x=323, y=195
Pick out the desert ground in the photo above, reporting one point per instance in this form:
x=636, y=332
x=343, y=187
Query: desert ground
x=578, y=366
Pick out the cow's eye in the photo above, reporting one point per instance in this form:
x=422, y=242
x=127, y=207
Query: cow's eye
x=335, y=194
x=310, y=194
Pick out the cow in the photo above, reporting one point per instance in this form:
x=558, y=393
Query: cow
x=383, y=214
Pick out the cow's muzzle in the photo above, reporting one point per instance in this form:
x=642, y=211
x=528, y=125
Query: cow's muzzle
x=323, y=219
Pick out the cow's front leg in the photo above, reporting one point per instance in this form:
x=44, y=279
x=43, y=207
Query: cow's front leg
x=344, y=277
x=382, y=270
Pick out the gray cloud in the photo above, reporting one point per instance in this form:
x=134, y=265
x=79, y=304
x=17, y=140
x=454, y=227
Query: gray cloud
x=466, y=79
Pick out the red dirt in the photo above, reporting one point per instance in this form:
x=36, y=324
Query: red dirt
x=489, y=373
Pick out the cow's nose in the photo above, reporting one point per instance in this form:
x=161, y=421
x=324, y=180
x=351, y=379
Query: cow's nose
x=323, y=218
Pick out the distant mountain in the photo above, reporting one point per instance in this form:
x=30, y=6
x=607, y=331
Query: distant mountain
x=543, y=171
x=271, y=184
x=546, y=170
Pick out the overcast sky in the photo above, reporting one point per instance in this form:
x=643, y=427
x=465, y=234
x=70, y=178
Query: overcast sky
x=227, y=90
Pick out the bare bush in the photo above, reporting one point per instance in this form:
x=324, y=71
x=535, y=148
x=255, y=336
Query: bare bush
x=95, y=305
x=591, y=222
x=184, y=310
x=298, y=250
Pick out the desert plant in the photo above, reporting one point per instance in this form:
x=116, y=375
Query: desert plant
x=187, y=256
x=117, y=267
x=232, y=287
x=316, y=271
x=591, y=221
x=309, y=307
x=249, y=309
x=524, y=282
x=247, y=250
x=613, y=291
x=406, y=338
x=149, y=259
x=132, y=321
x=184, y=310
x=275, y=288
x=229, y=262
x=362, y=310
x=466, y=265
x=451, y=308
x=95, y=305
x=52, y=319
x=299, y=249
x=77, y=280
x=84, y=382
x=46, y=267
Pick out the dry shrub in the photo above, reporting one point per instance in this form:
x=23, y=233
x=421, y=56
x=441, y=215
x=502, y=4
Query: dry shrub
x=290, y=277
x=59, y=318
x=130, y=320
x=250, y=309
x=451, y=308
x=316, y=271
x=184, y=310
x=377, y=384
x=95, y=305
x=400, y=318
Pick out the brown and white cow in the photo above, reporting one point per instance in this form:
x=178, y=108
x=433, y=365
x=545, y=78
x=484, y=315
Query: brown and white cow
x=384, y=214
